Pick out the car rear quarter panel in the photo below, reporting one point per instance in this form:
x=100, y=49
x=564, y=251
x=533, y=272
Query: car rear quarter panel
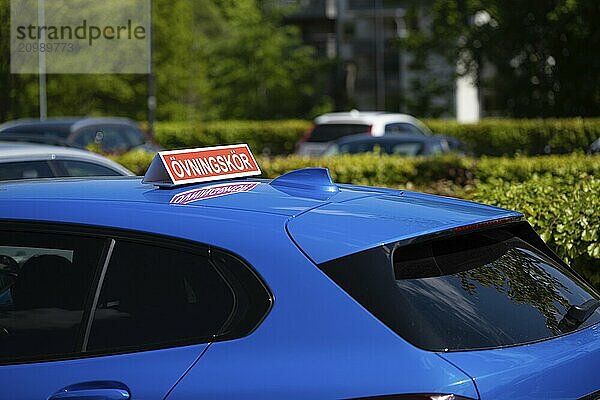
x=315, y=343
x=567, y=367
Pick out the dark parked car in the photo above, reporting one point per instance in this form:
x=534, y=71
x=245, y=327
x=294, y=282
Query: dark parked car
x=114, y=135
x=333, y=126
x=396, y=144
x=595, y=147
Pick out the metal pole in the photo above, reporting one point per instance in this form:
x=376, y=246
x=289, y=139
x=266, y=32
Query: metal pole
x=339, y=91
x=151, y=84
x=401, y=33
x=42, y=62
x=379, y=55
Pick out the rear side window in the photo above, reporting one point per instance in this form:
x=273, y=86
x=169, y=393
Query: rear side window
x=44, y=282
x=154, y=296
x=64, y=294
x=479, y=290
x=25, y=170
x=402, y=127
x=331, y=132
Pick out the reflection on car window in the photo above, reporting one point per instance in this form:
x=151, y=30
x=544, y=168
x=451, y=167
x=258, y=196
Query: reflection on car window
x=153, y=295
x=45, y=281
x=481, y=290
x=25, y=170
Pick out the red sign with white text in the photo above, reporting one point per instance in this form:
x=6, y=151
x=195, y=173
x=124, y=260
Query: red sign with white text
x=203, y=165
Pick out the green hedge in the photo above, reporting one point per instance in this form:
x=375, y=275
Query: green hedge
x=271, y=137
x=524, y=136
x=490, y=136
x=383, y=170
x=559, y=195
x=564, y=210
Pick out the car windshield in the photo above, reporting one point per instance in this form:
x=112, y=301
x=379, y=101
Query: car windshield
x=331, y=132
x=473, y=291
x=112, y=138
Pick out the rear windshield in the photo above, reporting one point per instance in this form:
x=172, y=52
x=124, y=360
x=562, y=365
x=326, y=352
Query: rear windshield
x=331, y=132
x=473, y=291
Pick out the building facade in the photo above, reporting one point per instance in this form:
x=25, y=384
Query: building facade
x=373, y=71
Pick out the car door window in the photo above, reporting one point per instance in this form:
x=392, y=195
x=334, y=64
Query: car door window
x=407, y=149
x=25, y=170
x=83, y=168
x=154, y=295
x=45, y=282
x=402, y=127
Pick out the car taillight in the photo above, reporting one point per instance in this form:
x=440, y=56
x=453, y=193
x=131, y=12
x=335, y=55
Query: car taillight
x=307, y=133
x=370, y=130
x=416, y=396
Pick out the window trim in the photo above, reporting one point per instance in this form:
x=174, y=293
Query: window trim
x=112, y=236
x=89, y=310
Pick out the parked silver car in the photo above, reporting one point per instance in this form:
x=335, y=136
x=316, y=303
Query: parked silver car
x=328, y=128
x=30, y=161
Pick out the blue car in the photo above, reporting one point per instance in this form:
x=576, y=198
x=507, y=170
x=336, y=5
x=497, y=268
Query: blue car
x=292, y=288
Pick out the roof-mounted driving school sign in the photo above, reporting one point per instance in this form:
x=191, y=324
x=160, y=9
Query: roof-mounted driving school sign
x=178, y=167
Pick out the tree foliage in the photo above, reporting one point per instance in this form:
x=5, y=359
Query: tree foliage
x=212, y=59
x=259, y=69
x=535, y=56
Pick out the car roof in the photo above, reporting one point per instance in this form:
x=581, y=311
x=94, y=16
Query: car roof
x=54, y=122
x=364, y=117
x=387, y=138
x=20, y=152
x=353, y=218
x=67, y=123
x=88, y=121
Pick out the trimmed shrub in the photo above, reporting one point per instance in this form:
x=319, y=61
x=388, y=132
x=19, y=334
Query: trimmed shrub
x=564, y=210
x=263, y=137
x=135, y=161
x=495, y=137
x=384, y=170
x=522, y=136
